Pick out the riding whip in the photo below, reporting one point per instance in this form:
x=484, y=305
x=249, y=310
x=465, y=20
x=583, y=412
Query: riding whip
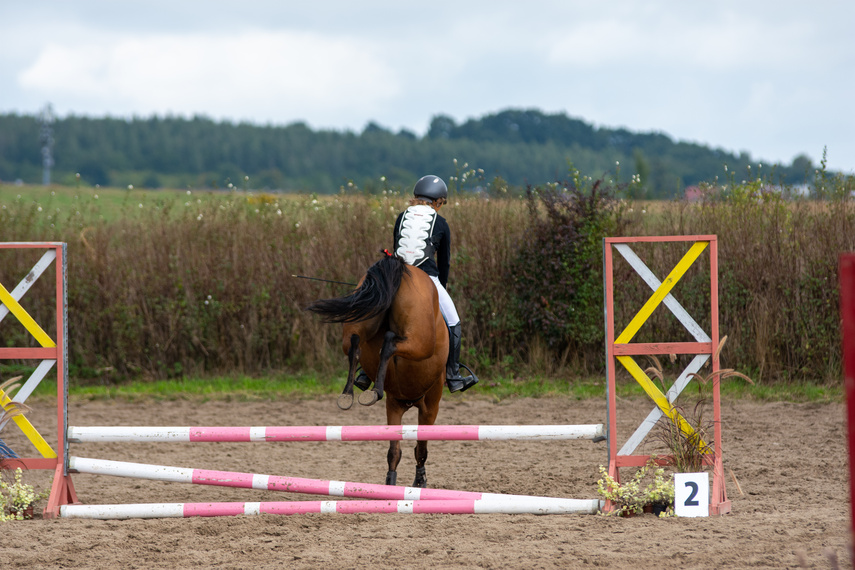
x=324, y=280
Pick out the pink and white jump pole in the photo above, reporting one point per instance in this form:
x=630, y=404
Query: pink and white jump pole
x=534, y=505
x=300, y=485
x=103, y=434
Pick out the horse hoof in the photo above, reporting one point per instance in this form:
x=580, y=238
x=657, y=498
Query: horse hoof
x=368, y=398
x=345, y=401
x=421, y=478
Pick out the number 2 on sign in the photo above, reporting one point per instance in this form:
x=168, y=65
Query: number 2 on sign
x=690, y=500
x=691, y=494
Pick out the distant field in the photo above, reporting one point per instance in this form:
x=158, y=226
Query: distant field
x=112, y=204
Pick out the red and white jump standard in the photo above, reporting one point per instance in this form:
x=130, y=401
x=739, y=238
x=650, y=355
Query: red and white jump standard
x=620, y=349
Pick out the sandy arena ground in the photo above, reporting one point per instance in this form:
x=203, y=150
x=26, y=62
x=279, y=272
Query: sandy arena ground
x=789, y=459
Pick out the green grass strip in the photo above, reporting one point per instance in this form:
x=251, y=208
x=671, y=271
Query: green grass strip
x=308, y=386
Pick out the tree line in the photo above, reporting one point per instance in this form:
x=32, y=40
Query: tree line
x=512, y=148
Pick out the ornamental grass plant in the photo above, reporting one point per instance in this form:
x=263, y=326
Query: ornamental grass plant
x=687, y=432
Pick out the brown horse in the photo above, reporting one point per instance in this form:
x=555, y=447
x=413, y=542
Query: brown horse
x=392, y=326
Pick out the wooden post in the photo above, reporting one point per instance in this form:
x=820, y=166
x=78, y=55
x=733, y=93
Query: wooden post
x=51, y=352
x=847, y=314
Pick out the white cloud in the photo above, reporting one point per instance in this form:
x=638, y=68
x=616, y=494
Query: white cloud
x=216, y=74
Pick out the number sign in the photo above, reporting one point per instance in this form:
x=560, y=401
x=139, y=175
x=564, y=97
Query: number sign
x=692, y=494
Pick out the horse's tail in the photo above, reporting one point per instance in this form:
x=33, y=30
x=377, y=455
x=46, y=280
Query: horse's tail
x=372, y=298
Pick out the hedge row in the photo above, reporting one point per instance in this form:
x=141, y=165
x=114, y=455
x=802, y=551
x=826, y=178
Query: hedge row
x=207, y=287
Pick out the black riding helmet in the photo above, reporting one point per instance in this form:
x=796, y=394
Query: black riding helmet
x=430, y=187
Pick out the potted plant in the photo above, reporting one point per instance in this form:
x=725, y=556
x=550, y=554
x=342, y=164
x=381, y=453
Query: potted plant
x=627, y=498
x=633, y=497
x=18, y=498
x=659, y=494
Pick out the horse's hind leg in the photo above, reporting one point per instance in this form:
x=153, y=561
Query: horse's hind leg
x=345, y=401
x=393, y=457
x=394, y=413
x=370, y=397
x=421, y=459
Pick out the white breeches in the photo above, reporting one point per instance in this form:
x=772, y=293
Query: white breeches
x=446, y=305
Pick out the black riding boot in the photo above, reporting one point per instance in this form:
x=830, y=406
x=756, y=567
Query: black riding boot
x=362, y=381
x=453, y=379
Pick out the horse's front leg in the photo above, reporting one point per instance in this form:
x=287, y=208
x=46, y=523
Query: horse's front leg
x=345, y=401
x=369, y=397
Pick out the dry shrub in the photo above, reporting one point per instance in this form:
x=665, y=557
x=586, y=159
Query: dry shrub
x=778, y=283
x=206, y=287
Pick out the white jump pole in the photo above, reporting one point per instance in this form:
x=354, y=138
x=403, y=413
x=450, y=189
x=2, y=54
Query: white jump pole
x=333, y=433
x=291, y=484
x=533, y=505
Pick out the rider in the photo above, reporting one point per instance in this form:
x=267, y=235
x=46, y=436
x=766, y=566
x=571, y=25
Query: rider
x=420, y=232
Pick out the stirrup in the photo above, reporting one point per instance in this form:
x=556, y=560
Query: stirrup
x=461, y=383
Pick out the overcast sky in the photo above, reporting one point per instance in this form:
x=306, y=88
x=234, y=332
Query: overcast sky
x=775, y=78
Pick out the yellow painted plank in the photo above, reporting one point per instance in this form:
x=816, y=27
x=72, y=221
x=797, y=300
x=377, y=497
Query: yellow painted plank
x=657, y=396
x=16, y=309
x=32, y=434
x=659, y=295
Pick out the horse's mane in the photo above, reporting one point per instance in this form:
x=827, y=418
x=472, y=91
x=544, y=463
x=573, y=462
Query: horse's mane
x=372, y=298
